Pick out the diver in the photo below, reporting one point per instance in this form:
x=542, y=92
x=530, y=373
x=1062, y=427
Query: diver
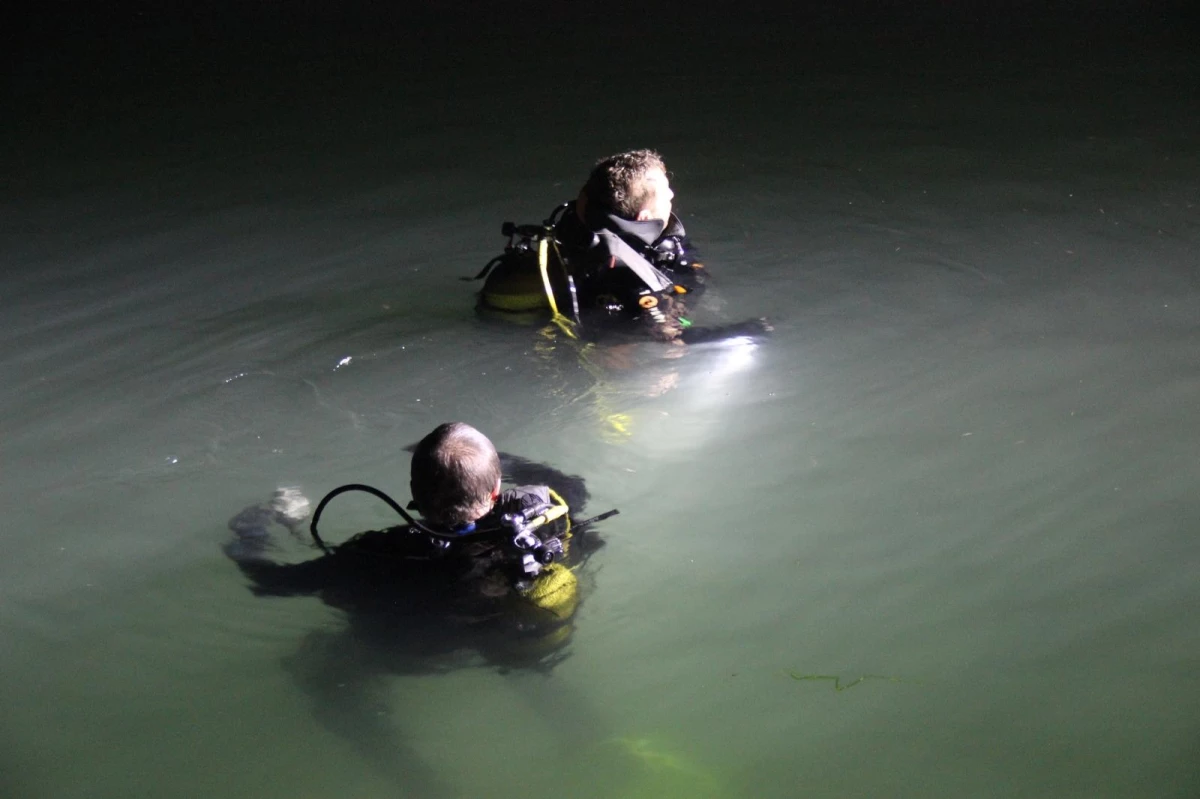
x=484, y=569
x=617, y=254
x=486, y=577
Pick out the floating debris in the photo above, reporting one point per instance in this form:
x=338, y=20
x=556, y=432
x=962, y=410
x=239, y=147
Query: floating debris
x=837, y=680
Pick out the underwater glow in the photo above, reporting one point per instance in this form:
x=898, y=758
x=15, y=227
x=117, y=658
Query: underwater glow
x=733, y=355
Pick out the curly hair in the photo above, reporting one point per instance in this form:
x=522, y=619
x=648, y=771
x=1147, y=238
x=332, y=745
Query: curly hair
x=619, y=181
x=454, y=472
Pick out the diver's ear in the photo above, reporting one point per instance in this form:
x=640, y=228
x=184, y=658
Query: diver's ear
x=644, y=215
x=496, y=490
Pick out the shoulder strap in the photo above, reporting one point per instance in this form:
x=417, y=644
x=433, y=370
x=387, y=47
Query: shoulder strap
x=647, y=272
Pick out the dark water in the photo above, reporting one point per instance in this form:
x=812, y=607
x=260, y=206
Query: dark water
x=963, y=466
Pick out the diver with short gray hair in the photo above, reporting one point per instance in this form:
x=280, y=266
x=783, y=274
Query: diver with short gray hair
x=486, y=577
x=495, y=559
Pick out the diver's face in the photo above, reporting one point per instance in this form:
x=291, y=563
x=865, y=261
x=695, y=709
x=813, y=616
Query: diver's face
x=658, y=207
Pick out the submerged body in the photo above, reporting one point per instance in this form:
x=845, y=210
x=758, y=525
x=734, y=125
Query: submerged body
x=424, y=598
x=485, y=578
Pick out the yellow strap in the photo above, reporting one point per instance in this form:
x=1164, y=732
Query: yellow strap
x=561, y=503
x=544, y=265
x=556, y=511
x=565, y=324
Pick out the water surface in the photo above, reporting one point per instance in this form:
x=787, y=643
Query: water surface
x=963, y=464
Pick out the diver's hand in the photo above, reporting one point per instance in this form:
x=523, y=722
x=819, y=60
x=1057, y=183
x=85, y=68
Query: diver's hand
x=252, y=527
x=290, y=508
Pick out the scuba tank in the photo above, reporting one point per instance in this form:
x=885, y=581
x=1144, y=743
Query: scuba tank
x=530, y=275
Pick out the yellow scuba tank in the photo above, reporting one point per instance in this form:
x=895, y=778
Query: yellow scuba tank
x=515, y=285
x=530, y=275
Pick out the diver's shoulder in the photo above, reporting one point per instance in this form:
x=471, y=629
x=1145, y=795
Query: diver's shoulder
x=524, y=497
x=396, y=541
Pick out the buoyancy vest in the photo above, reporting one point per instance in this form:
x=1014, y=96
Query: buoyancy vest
x=483, y=568
x=604, y=255
x=661, y=259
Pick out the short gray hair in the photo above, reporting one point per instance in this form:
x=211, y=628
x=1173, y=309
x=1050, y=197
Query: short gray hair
x=454, y=472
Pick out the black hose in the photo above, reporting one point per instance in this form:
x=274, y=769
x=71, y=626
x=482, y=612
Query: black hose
x=312, y=527
x=599, y=518
x=375, y=492
x=484, y=272
x=556, y=215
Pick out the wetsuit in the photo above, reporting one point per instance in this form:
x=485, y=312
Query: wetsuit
x=423, y=597
x=639, y=271
x=632, y=270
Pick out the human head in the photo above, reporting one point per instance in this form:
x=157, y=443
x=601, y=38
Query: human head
x=633, y=184
x=455, y=475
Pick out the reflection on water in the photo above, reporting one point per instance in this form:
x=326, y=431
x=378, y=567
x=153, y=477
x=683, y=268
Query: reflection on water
x=964, y=461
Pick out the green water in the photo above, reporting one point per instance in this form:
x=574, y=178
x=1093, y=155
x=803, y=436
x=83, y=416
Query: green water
x=932, y=538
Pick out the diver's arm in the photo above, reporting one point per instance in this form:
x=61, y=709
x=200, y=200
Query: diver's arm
x=268, y=578
x=667, y=319
x=252, y=545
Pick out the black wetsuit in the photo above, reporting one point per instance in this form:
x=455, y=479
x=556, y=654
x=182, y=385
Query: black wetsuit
x=639, y=271
x=421, y=597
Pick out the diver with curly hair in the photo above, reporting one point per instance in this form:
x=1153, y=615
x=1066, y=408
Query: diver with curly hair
x=620, y=255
